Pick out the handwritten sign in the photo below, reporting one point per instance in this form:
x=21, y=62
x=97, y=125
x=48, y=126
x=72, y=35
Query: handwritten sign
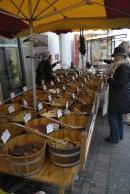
x=11, y=109
x=27, y=117
x=12, y=95
x=25, y=89
x=5, y=136
x=49, y=128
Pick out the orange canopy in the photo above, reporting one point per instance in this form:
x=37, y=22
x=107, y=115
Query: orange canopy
x=51, y=15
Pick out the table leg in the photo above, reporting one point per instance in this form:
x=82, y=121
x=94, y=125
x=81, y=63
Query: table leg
x=61, y=190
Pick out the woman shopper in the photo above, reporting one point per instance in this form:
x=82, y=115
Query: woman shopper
x=119, y=95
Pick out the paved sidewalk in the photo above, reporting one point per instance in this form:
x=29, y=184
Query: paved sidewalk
x=108, y=165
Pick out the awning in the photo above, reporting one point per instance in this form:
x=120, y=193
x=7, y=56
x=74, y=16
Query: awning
x=50, y=15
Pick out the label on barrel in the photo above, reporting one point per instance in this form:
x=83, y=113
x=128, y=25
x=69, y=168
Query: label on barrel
x=42, y=82
x=57, y=90
x=76, y=75
x=49, y=97
x=11, y=109
x=63, y=87
x=49, y=128
x=25, y=103
x=67, y=105
x=59, y=113
x=27, y=117
x=52, y=83
x=12, y=95
x=73, y=78
x=5, y=136
x=73, y=95
x=58, y=79
x=77, y=89
x=40, y=106
x=25, y=89
x=44, y=87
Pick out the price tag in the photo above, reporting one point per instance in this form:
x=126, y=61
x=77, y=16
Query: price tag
x=76, y=75
x=58, y=79
x=67, y=105
x=25, y=89
x=40, y=106
x=5, y=136
x=43, y=82
x=57, y=90
x=49, y=128
x=27, y=117
x=44, y=87
x=85, y=80
x=11, y=109
x=82, y=85
x=25, y=103
x=73, y=78
x=73, y=95
x=77, y=89
x=49, y=97
x=12, y=95
x=52, y=83
x=63, y=87
x=59, y=113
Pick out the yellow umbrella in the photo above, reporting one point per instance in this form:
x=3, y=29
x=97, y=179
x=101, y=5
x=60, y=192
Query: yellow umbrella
x=51, y=15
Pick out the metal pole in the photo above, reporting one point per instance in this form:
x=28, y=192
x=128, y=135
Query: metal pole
x=31, y=47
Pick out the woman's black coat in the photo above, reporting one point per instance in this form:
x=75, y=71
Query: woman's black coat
x=119, y=90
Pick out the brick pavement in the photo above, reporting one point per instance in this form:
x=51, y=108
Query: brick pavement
x=108, y=165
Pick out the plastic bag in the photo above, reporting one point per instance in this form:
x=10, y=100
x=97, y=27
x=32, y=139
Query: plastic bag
x=105, y=101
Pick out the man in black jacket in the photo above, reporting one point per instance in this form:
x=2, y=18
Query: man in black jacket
x=119, y=95
x=44, y=70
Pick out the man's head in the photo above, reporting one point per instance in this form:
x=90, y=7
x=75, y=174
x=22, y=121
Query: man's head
x=125, y=45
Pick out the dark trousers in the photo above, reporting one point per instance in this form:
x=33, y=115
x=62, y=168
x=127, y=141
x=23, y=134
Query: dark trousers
x=116, y=125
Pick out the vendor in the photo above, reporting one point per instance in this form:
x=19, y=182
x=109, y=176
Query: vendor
x=45, y=70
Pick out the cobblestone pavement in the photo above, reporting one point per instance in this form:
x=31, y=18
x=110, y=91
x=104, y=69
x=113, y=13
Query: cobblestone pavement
x=108, y=165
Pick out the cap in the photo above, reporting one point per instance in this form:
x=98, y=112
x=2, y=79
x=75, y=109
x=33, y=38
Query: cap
x=119, y=51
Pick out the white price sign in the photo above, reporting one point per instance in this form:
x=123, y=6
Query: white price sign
x=73, y=78
x=25, y=103
x=58, y=79
x=44, y=87
x=57, y=90
x=77, y=89
x=27, y=117
x=11, y=109
x=12, y=95
x=67, y=105
x=5, y=136
x=52, y=83
x=49, y=128
x=25, y=89
x=49, y=98
x=82, y=85
x=43, y=82
x=73, y=95
x=59, y=113
x=76, y=75
x=63, y=87
x=40, y=106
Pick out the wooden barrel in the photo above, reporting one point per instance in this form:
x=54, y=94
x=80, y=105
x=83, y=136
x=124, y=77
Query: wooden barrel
x=39, y=124
x=78, y=121
x=30, y=164
x=67, y=157
x=4, y=108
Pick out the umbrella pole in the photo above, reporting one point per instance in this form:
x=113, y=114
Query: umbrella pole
x=31, y=47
